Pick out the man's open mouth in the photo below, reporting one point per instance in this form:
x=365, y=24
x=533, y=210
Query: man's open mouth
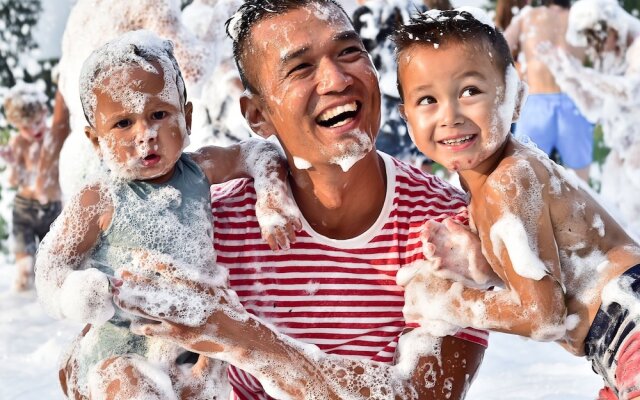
x=339, y=116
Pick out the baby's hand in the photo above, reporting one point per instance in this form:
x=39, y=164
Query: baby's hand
x=456, y=254
x=86, y=296
x=278, y=216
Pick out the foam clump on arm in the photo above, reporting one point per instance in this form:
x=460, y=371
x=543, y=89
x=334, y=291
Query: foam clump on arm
x=277, y=213
x=67, y=286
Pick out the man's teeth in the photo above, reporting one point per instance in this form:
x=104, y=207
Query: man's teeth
x=458, y=140
x=334, y=112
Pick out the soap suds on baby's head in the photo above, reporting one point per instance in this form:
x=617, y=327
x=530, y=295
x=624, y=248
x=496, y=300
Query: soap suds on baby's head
x=108, y=70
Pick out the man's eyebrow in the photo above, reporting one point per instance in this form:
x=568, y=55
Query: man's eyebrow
x=285, y=58
x=346, y=36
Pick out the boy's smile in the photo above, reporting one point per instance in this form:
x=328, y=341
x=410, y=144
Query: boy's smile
x=141, y=134
x=453, y=97
x=318, y=88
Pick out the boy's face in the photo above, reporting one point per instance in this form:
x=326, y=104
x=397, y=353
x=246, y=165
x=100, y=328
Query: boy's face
x=318, y=91
x=34, y=131
x=452, y=99
x=142, y=134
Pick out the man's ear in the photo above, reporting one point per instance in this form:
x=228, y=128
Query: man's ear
x=188, y=113
x=254, y=112
x=91, y=134
x=521, y=97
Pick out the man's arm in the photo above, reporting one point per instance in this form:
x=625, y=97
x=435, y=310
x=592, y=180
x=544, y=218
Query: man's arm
x=427, y=367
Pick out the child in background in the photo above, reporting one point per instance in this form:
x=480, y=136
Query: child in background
x=25, y=107
x=152, y=209
x=571, y=273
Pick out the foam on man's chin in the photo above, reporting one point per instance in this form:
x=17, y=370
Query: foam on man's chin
x=352, y=151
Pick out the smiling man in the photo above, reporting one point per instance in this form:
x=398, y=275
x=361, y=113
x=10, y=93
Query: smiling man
x=310, y=83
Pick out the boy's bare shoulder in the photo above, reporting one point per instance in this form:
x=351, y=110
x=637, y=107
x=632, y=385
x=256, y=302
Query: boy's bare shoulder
x=520, y=172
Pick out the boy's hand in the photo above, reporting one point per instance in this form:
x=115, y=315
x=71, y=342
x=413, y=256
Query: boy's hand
x=455, y=253
x=278, y=216
x=7, y=155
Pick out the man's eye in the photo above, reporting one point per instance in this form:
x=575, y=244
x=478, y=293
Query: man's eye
x=427, y=100
x=470, y=91
x=122, y=124
x=159, y=115
x=298, y=68
x=351, y=50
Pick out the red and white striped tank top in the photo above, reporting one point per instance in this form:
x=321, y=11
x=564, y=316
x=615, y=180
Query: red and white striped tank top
x=340, y=295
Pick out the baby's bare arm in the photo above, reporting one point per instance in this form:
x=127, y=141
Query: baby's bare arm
x=65, y=289
x=259, y=159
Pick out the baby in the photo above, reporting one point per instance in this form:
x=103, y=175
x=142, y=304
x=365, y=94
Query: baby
x=153, y=208
x=25, y=107
x=570, y=272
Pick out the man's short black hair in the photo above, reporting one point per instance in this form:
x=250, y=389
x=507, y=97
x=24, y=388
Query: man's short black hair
x=437, y=28
x=250, y=13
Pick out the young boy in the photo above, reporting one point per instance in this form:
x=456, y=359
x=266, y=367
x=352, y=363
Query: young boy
x=570, y=272
x=152, y=209
x=25, y=107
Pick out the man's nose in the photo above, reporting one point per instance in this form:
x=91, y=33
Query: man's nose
x=332, y=78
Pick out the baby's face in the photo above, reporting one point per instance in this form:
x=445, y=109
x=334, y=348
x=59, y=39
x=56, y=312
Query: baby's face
x=140, y=128
x=452, y=96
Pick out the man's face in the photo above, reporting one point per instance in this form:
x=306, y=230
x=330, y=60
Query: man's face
x=453, y=103
x=318, y=91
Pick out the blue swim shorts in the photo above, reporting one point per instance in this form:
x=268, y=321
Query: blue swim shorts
x=551, y=120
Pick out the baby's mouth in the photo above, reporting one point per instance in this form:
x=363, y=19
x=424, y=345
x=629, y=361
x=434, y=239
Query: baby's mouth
x=150, y=160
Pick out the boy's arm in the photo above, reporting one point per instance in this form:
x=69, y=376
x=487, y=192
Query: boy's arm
x=428, y=368
x=15, y=161
x=512, y=35
x=65, y=288
x=259, y=159
x=532, y=304
x=47, y=177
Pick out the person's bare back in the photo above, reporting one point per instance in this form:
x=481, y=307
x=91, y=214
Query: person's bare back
x=527, y=31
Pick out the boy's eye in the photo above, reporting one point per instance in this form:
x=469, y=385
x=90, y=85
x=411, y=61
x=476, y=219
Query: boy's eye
x=159, y=115
x=428, y=100
x=122, y=124
x=470, y=91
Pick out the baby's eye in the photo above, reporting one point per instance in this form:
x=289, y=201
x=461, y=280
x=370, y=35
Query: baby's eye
x=427, y=100
x=470, y=91
x=122, y=124
x=159, y=115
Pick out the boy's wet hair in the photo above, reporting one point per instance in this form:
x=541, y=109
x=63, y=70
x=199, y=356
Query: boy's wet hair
x=137, y=48
x=250, y=13
x=438, y=28
x=24, y=104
